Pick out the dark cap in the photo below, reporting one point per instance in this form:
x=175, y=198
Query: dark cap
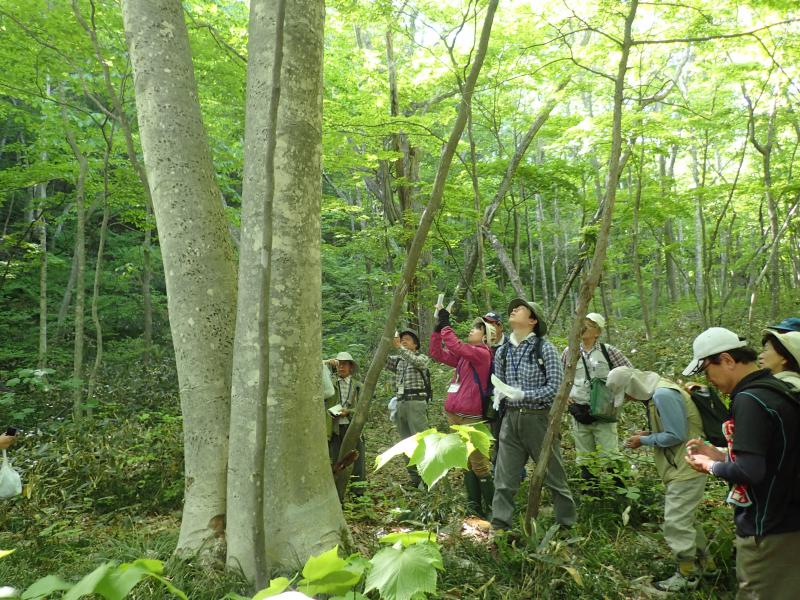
x=410, y=332
x=788, y=324
x=492, y=317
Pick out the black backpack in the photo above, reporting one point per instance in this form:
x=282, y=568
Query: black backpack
x=487, y=407
x=713, y=413
x=536, y=353
x=426, y=378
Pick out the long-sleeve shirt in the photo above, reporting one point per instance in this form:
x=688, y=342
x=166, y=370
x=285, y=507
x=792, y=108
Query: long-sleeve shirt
x=470, y=360
x=515, y=364
x=672, y=410
x=408, y=367
x=595, y=361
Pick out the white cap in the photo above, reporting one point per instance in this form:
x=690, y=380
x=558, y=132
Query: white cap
x=598, y=320
x=712, y=341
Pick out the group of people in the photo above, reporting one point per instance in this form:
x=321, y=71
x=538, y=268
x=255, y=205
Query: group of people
x=761, y=462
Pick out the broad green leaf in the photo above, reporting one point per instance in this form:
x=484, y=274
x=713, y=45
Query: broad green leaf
x=408, y=538
x=276, y=586
x=45, y=586
x=326, y=563
x=90, y=584
x=400, y=573
x=437, y=454
x=478, y=436
x=351, y=596
x=406, y=446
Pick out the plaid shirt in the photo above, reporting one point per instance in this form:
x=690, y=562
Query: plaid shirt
x=516, y=367
x=596, y=361
x=408, y=367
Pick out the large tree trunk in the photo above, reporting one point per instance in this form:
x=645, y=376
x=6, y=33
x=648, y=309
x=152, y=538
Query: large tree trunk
x=301, y=515
x=197, y=254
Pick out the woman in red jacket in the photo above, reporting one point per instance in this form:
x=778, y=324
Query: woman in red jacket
x=464, y=406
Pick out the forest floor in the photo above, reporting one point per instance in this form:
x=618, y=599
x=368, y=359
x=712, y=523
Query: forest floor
x=110, y=490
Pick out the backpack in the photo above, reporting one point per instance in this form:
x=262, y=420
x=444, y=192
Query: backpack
x=426, y=378
x=488, y=411
x=713, y=413
x=502, y=352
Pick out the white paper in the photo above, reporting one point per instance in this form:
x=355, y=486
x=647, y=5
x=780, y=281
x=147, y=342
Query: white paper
x=502, y=387
x=450, y=306
x=336, y=410
x=439, y=301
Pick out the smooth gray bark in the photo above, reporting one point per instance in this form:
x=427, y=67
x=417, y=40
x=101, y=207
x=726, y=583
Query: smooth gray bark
x=197, y=255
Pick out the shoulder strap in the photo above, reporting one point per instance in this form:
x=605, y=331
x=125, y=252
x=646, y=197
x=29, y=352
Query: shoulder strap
x=774, y=385
x=476, y=377
x=502, y=354
x=537, y=352
x=604, y=350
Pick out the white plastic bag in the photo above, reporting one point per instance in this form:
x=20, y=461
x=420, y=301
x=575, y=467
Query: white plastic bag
x=10, y=481
x=392, y=406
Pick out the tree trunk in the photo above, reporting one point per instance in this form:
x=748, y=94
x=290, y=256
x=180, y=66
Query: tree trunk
x=127, y=132
x=80, y=258
x=437, y=192
x=637, y=267
x=590, y=281
x=301, y=515
x=41, y=194
x=197, y=255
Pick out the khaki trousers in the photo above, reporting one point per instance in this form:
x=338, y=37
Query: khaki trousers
x=683, y=535
x=595, y=438
x=768, y=568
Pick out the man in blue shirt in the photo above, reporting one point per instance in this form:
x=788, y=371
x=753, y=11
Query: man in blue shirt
x=529, y=366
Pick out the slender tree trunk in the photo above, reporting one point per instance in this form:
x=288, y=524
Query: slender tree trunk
x=197, y=254
x=127, y=131
x=41, y=194
x=637, y=267
x=437, y=192
x=80, y=257
x=98, y=329
x=590, y=281
x=540, y=238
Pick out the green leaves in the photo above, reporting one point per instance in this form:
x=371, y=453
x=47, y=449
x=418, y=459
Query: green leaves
x=111, y=581
x=329, y=574
x=403, y=573
x=435, y=453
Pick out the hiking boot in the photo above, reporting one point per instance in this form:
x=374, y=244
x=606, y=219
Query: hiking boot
x=472, y=485
x=678, y=583
x=708, y=565
x=487, y=495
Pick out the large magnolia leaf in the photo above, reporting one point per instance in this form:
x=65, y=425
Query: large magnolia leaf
x=437, y=454
x=478, y=437
x=400, y=574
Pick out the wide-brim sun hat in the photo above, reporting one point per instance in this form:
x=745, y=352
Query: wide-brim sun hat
x=627, y=381
x=488, y=327
x=712, y=341
x=536, y=309
x=788, y=339
x=346, y=356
